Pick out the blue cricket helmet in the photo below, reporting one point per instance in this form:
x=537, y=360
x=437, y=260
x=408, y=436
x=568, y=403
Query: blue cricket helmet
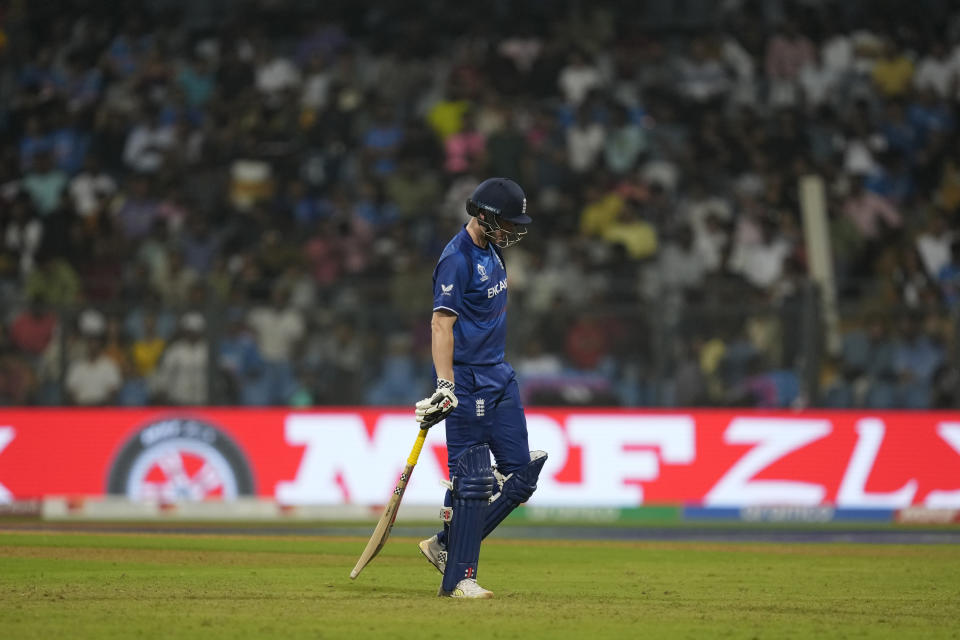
x=497, y=199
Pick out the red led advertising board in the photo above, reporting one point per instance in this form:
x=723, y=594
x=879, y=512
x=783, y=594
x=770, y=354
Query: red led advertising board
x=598, y=458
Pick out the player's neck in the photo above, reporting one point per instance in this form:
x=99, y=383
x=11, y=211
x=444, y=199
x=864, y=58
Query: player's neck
x=476, y=233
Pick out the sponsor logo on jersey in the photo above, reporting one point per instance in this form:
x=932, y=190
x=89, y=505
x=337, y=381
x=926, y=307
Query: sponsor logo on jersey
x=482, y=270
x=446, y=289
x=497, y=288
x=481, y=407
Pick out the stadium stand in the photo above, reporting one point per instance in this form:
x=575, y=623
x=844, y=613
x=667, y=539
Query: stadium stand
x=241, y=202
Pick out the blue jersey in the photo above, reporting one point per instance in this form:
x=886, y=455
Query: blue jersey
x=472, y=283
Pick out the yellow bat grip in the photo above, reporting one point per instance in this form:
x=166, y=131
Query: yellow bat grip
x=417, y=446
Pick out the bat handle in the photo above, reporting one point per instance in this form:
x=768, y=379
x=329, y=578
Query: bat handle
x=417, y=446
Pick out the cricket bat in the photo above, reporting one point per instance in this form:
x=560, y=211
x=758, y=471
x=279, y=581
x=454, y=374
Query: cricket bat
x=385, y=525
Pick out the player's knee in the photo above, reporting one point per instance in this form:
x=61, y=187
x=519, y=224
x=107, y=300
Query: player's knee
x=523, y=482
x=474, y=477
x=518, y=491
x=478, y=487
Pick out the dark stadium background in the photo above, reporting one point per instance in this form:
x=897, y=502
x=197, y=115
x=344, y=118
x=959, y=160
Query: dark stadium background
x=240, y=203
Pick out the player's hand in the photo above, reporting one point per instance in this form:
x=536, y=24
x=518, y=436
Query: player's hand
x=438, y=406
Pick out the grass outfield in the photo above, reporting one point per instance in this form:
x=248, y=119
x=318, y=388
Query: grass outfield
x=82, y=585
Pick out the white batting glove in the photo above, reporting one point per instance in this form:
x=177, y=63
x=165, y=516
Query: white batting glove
x=438, y=406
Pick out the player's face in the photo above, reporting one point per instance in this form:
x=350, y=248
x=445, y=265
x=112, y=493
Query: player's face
x=506, y=228
x=501, y=232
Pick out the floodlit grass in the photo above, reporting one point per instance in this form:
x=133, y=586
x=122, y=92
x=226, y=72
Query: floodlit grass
x=69, y=585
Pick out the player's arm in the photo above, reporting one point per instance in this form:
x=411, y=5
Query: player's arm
x=441, y=332
x=450, y=280
x=443, y=401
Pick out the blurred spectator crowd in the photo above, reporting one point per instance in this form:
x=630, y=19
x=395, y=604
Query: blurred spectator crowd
x=242, y=202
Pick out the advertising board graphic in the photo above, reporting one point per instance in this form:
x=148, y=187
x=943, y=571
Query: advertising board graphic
x=598, y=458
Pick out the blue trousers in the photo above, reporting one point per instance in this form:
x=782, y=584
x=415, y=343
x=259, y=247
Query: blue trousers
x=489, y=412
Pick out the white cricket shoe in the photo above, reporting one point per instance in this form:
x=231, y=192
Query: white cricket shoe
x=434, y=552
x=466, y=588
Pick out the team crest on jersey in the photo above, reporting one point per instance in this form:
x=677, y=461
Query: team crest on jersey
x=446, y=289
x=482, y=270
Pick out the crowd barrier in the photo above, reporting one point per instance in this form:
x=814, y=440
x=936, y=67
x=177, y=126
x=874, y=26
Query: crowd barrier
x=758, y=466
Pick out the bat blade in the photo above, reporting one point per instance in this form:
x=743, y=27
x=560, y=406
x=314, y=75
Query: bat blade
x=385, y=525
x=382, y=531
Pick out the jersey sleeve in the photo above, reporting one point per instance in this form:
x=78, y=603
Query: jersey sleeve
x=450, y=280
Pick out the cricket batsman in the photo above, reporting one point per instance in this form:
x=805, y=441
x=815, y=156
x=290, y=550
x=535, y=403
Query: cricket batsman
x=477, y=390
